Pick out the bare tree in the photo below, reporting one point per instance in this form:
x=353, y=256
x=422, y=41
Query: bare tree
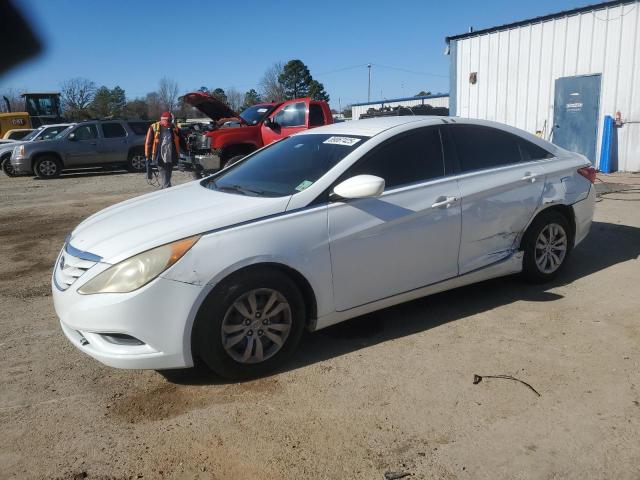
x=270, y=87
x=16, y=103
x=234, y=99
x=154, y=105
x=168, y=93
x=77, y=94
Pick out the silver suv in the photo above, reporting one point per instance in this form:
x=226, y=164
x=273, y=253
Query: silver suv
x=45, y=132
x=86, y=144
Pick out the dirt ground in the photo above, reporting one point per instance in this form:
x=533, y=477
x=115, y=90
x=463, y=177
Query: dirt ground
x=388, y=392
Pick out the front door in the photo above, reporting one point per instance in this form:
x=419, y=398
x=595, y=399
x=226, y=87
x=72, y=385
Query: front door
x=83, y=149
x=289, y=118
x=405, y=239
x=575, y=114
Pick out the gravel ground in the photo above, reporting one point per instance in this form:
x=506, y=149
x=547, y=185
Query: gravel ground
x=388, y=392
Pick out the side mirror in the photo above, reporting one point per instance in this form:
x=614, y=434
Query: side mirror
x=72, y=137
x=360, y=186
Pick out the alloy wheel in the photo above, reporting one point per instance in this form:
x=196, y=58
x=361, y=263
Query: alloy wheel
x=256, y=325
x=551, y=248
x=138, y=162
x=48, y=168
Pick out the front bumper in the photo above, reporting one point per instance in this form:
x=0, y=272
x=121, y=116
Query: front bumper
x=158, y=315
x=21, y=165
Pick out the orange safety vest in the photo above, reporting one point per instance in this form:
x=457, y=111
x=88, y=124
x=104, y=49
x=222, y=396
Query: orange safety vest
x=153, y=143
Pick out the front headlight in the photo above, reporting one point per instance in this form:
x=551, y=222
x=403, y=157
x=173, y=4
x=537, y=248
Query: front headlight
x=18, y=152
x=137, y=271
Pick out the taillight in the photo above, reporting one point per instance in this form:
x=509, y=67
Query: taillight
x=589, y=173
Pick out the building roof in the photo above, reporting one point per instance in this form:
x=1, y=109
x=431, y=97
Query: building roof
x=544, y=18
x=403, y=99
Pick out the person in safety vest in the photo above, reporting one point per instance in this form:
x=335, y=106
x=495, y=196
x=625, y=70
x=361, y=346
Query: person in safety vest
x=162, y=147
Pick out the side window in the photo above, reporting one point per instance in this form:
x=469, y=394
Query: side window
x=531, y=151
x=86, y=132
x=413, y=157
x=113, y=130
x=292, y=115
x=139, y=128
x=481, y=147
x=316, y=115
x=51, y=132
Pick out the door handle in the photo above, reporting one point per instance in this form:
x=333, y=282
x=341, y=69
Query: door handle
x=529, y=177
x=444, y=202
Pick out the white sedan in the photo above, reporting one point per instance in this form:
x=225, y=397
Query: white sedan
x=320, y=227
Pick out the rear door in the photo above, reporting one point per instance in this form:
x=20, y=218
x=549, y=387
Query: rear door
x=113, y=147
x=289, y=118
x=406, y=238
x=501, y=184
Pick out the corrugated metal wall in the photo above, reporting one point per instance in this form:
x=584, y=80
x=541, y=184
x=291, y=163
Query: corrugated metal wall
x=359, y=109
x=517, y=68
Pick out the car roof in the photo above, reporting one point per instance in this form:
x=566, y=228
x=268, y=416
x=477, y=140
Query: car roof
x=370, y=127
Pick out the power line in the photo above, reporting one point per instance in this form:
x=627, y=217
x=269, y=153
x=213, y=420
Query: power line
x=411, y=71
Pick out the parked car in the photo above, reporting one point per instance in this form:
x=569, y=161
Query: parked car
x=45, y=132
x=255, y=127
x=17, y=133
x=317, y=228
x=91, y=143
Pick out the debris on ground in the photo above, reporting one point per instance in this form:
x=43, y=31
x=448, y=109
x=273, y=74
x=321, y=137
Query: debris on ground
x=478, y=378
x=395, y=475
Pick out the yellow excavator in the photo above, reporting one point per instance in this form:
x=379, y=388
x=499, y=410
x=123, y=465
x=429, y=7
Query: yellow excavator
x=39, y=109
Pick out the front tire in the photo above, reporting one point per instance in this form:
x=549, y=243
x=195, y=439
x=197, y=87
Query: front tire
x=250, y=324
x=547, y=245
x=7, y=168
x=47, y=167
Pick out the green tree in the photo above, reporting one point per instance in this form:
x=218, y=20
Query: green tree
x=108, y=103
x=136, y=109
x=422, y=93
x=250, y=98
x=317, y=92
x=220, y=95
x=295, y=79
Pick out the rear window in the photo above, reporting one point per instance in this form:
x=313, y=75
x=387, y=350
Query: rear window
x=139, y=128
x=113, y=130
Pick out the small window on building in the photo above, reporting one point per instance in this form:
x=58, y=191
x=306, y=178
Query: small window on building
x=113, y=130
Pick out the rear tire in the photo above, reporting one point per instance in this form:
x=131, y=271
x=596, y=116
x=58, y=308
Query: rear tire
x=136, y=162
x=7, y=168
x=238, y=335
x=47, y=167
x=547, y=244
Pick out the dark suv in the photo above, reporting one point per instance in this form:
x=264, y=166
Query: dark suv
x=86, y=144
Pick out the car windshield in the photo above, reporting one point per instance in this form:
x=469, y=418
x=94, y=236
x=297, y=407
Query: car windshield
x=254, y=115
x=33, y=134
x=64, y=132
x=285, y=167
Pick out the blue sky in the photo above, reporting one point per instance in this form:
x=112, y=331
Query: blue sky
x=230, y=44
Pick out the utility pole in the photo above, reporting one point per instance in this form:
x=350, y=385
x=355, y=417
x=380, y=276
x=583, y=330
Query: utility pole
x=369, y=89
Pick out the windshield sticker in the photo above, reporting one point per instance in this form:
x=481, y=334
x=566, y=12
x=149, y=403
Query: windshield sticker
x=346, y=141
x=262, y=110
x=304, y=185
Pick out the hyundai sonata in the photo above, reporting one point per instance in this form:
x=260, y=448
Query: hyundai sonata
x=320, y=227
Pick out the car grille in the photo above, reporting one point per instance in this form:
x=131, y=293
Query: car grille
x=70, y=266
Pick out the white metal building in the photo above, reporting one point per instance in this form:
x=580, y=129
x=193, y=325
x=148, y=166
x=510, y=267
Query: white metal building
x=558, y=75
x=439, y=100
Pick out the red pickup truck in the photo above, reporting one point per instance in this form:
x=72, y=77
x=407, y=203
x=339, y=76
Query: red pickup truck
x=255, y=127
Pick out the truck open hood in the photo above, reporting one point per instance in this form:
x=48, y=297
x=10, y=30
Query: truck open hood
x=209, y=105
x=150, y=220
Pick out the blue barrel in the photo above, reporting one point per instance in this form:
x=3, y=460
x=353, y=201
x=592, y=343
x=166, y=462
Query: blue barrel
x=607, y=142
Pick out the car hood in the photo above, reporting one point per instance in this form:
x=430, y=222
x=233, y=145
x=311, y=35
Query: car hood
x=145, y=222
x=209, y=105
x=8, y=147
